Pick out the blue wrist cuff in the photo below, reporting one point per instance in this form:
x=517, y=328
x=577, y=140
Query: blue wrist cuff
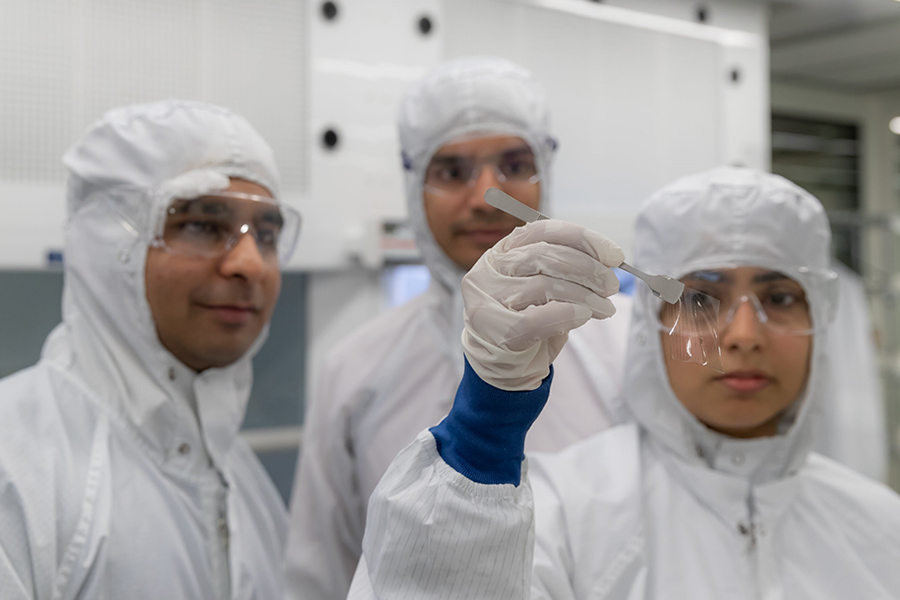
x=483, y=436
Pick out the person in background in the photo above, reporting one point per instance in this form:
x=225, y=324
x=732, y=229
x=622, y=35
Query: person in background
x=710, y=491
x=854, y=430
x=470, y=124
x=121, y=471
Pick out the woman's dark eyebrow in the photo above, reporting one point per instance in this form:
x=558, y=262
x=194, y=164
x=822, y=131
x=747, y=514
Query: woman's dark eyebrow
x=524, y=153
x=517, y=150
x=447, y=158
x=709, y=277
x=769, y=276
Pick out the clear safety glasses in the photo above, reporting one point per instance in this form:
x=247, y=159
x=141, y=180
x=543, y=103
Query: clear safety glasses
x=710, y=302
x=212, y=225
x=453, y=176
x=778, y=301
x=691, y=329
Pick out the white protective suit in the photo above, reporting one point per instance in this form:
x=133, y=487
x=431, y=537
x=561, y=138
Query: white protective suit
x=121, y=471
x=662, y=507
x=854, y=428
x=398, y=374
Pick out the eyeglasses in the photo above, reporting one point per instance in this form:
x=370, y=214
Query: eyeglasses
x=778, y=302
x=212, y=225
x=452, y=175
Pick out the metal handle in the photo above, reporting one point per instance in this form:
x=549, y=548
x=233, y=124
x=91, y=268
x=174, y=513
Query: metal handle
x=662, y=286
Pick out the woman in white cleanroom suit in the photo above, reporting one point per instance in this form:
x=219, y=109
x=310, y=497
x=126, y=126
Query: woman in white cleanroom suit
x=712, y=492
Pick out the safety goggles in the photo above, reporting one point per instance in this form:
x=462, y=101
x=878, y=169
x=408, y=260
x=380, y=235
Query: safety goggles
x=453, y=176
x=778, y=302
x=211, y=225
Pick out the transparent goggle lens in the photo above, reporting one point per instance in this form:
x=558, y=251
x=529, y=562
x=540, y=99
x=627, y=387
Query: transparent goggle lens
x=691, y=329
x=691, y=326
x=778, y=300
x=450, y=175
x=212, y=225
x=785, y=318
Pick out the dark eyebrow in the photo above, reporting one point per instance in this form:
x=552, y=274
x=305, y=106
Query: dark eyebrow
x=205, y=206
x=448, y=158
x=769, y=276
x=272, y=217
x=710, y=277
x=516, y=151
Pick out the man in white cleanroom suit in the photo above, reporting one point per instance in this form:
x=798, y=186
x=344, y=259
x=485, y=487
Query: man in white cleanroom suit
x=470, y=124
x=711, y=492
x=121, y=471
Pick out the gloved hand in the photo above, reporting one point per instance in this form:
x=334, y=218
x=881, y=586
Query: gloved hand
x=525, y=294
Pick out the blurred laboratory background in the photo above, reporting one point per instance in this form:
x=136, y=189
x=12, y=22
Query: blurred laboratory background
x=640, y=91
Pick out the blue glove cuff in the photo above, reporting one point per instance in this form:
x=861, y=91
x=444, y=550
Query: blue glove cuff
x=483, y=436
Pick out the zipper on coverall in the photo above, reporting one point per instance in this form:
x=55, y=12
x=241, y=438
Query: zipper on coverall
x=766, y=574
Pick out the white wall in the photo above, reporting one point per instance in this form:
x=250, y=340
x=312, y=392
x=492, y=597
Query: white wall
x=636, y=100
x=64, y=62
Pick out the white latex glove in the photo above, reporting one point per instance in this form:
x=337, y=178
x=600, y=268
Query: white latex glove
x=525, y=294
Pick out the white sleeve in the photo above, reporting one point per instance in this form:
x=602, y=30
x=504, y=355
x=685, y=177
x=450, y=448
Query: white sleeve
x=433, y=534
x=326, y=521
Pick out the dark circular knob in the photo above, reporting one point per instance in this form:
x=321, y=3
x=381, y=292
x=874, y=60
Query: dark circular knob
x=735, y=75
x=330, y=139
x=425, y=25
x=329, y=10
x=702, y=14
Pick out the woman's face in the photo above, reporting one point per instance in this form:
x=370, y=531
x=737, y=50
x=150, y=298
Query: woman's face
x=766, y=365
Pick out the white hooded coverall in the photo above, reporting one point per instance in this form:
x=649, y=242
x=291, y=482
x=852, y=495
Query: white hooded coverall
x=854, y=429
x=661, y=507
x=398, y=374
x=121, y=471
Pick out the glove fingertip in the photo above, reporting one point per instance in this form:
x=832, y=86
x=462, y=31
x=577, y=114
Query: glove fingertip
x=609, y=252
x=602, y=308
